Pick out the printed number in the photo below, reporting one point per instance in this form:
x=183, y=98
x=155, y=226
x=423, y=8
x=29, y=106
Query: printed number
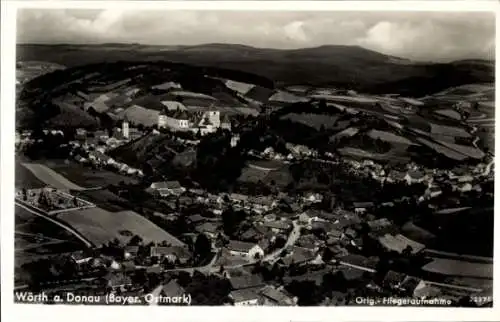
x=482, y=299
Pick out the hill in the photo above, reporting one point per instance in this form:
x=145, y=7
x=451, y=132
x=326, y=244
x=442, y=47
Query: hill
x=339, y=66
x=131, y=89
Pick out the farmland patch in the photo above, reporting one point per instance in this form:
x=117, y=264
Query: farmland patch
x=101, y=226
x=389, y=137
x=442, y=150
x=452, y=114
x=459, y=268
x=87, y=177
x=50, y=177
x=449, y=130
x=469, y=151
x=24, y=178
x=313, y=120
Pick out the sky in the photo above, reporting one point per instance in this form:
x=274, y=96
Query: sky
x=425, y=36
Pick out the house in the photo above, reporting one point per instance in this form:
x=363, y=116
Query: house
x=414, y=176
x=172, y=289
x=171, y=253
x=305, y=219
x=80, y=257
x=130, y=252
x=118, y=281
x=251, y=234
x=238, y=198
x=400, y=243
x=263, y=203
x=393, y=280
x=425, y=290
x=379, y=224
x=433, y=191
x=245, y=297
x=225, y=122
x=249, y=250
x=195, y=219
x=246, y=282
x=308, y=241
x=277, y=226
x=276, y=297
x=338, y=251
x=168, y=188
x=396, y=176
x=361, y=207
x=368, y=264
x=350, y=233
x=351, y=274
x=208, y=228
x=298, y=256
x=176, y=120
x=466, y=187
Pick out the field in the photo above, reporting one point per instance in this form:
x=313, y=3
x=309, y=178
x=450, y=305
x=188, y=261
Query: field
x=389, y=137
x=239, y=87
x=87, y=177
x=362, y=154
x=468, y=151
x=438, y=129
x=101, y=226
x=280, y=177
x=140, y=115
x=452, y=114
x=24, y=178
x=50, y=177
x=104, y=199
x=313, y=120
x=460, y=268
x=37, y=238
x=442, y=149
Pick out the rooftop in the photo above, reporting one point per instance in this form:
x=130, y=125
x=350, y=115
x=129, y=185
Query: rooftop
x=240, y=246
x=246, y=281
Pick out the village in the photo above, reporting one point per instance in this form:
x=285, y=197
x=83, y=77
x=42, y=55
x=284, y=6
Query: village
x=264, y=254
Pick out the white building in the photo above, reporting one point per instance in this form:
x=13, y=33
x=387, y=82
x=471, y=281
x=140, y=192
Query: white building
x=249, y=250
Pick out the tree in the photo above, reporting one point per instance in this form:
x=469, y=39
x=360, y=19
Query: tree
x=135, y=240
x=202, y=246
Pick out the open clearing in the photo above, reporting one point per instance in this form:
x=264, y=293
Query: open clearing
x=450, y=114
x=460, y=268
x=389, y=137
x=101, y=226
x=313, y=120
x=442, y=149
x=24, y=178
x=87, y=177
x=469, y=151
x=449, y=130
x=50, y=177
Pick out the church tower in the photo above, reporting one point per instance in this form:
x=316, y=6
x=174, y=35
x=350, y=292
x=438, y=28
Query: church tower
x=125, y=128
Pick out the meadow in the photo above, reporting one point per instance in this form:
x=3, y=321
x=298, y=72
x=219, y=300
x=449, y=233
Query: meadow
x=101, y=226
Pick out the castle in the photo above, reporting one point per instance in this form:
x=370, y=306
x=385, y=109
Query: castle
x=198, y=122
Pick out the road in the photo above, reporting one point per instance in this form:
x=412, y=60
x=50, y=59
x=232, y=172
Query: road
x=210, y=268
x=58, y=223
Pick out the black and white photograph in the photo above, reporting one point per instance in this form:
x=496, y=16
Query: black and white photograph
x=254, y=158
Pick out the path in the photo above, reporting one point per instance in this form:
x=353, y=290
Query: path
x=57, y=222
x=210, y=268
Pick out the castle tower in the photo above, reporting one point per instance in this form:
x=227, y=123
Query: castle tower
x=125, y=128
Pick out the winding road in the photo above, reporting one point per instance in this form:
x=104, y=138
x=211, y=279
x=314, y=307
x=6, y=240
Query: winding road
x=210, y=268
